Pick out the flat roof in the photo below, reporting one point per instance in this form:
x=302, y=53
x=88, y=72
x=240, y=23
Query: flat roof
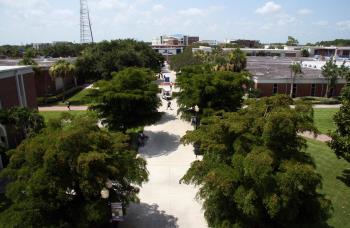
x=43, y=62
x=11, y=68
x=277, y=68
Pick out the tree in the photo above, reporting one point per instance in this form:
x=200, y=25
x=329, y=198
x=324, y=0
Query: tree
x=28, y=56
x=330, y=72
x=56, y=177
x=100, y=60
x=292, y=41
x=305, y=53
x=25, y=122
x=239, y=60
x=210, y=90
x=63, y=69
x=185, y=59
x=295, y=71
x=254, y=171
x=128, y=100
x=340, y=142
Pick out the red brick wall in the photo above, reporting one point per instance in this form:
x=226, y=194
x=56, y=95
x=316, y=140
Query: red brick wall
x=303, y=90
x=8, y=92
x=45, y=85
x=29, y=83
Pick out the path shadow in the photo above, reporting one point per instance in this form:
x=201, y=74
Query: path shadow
x=345, y=177
x=159, y=143
x=147, y=216
x=166, y=117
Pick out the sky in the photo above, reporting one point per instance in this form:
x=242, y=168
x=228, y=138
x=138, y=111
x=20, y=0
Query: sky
x=36, y=21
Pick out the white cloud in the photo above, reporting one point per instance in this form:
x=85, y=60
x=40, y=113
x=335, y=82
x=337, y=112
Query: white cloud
x=344, y=25
x=305, y=11
x=24, y=3
x=321, y=23
x=158, y=7
x=269, y=8
x=192, y=12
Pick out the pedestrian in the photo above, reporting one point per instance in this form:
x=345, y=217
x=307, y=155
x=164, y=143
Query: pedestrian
x=169, y=106
x=171, y=86
x=68, y=105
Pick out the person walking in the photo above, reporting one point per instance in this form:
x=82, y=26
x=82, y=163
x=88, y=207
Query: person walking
x=169, y=106
x=68, y=105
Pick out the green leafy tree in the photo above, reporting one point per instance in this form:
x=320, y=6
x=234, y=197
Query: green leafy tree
x=56, y=177
x=63, y=69
x=128, y=100
x=28, y=56
x=340, y=142
x=292, y=41
x=295, y=71
x=210, y=90
x=254, y=171
x=305, y=53
x=331, y=73
x=100, y=60
x=25, y=122
x=187, y=58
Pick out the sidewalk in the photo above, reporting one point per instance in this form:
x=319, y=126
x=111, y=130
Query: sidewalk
x=62, y=108
x=320, y=137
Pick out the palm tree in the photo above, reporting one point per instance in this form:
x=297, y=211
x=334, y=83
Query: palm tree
x=330, y=72
x=63, y=69
x=238, y=59
x=295, y=70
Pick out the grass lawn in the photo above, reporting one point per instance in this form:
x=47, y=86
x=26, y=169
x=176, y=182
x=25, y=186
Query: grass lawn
x=335, y=186
x=80, y=98
x=53, y=115
x=324, y=119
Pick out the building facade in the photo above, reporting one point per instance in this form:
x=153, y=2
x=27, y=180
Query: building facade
x=17, y=89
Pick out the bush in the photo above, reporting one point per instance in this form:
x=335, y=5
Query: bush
x=320, y=100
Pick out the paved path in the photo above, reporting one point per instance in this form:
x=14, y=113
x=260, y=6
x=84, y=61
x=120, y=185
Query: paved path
x=320, y=137
x=62, y=108
x=165, y=202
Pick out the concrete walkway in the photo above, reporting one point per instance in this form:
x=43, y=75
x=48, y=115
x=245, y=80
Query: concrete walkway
x=319, y=137
x=62, y=108
x=165, y=202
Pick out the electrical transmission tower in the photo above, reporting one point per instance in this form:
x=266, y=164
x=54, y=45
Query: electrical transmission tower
x=85, y=23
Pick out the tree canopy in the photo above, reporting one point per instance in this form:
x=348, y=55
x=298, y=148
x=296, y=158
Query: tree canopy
x=254, y=171
x=340, y=142
x=100, y=60
x=292, y=41
x=56, y=177
x=128, y=100
x=210, y=90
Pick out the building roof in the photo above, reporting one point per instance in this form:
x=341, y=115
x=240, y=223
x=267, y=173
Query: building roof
x=12, y=68
x=269, y=68
x=42, y=62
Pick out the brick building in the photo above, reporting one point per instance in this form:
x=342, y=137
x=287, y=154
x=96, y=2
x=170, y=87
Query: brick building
x=272, y=76
x=17, y=89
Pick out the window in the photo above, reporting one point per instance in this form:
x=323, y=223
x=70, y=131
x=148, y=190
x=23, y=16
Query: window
x=294, y=90
x=313, y=90
x=275, y=89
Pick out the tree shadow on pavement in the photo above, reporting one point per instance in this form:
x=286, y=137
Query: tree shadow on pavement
x=166, y=117
x=159, y=143
x=147, y=216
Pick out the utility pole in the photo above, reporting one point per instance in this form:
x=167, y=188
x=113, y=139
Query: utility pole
x=85, y=23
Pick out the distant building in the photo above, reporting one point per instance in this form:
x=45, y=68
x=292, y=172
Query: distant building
x=209, y=42
x=272, y=76
x=39, y=46
x=245, y=43
x=172, y=45
x=340, y=52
